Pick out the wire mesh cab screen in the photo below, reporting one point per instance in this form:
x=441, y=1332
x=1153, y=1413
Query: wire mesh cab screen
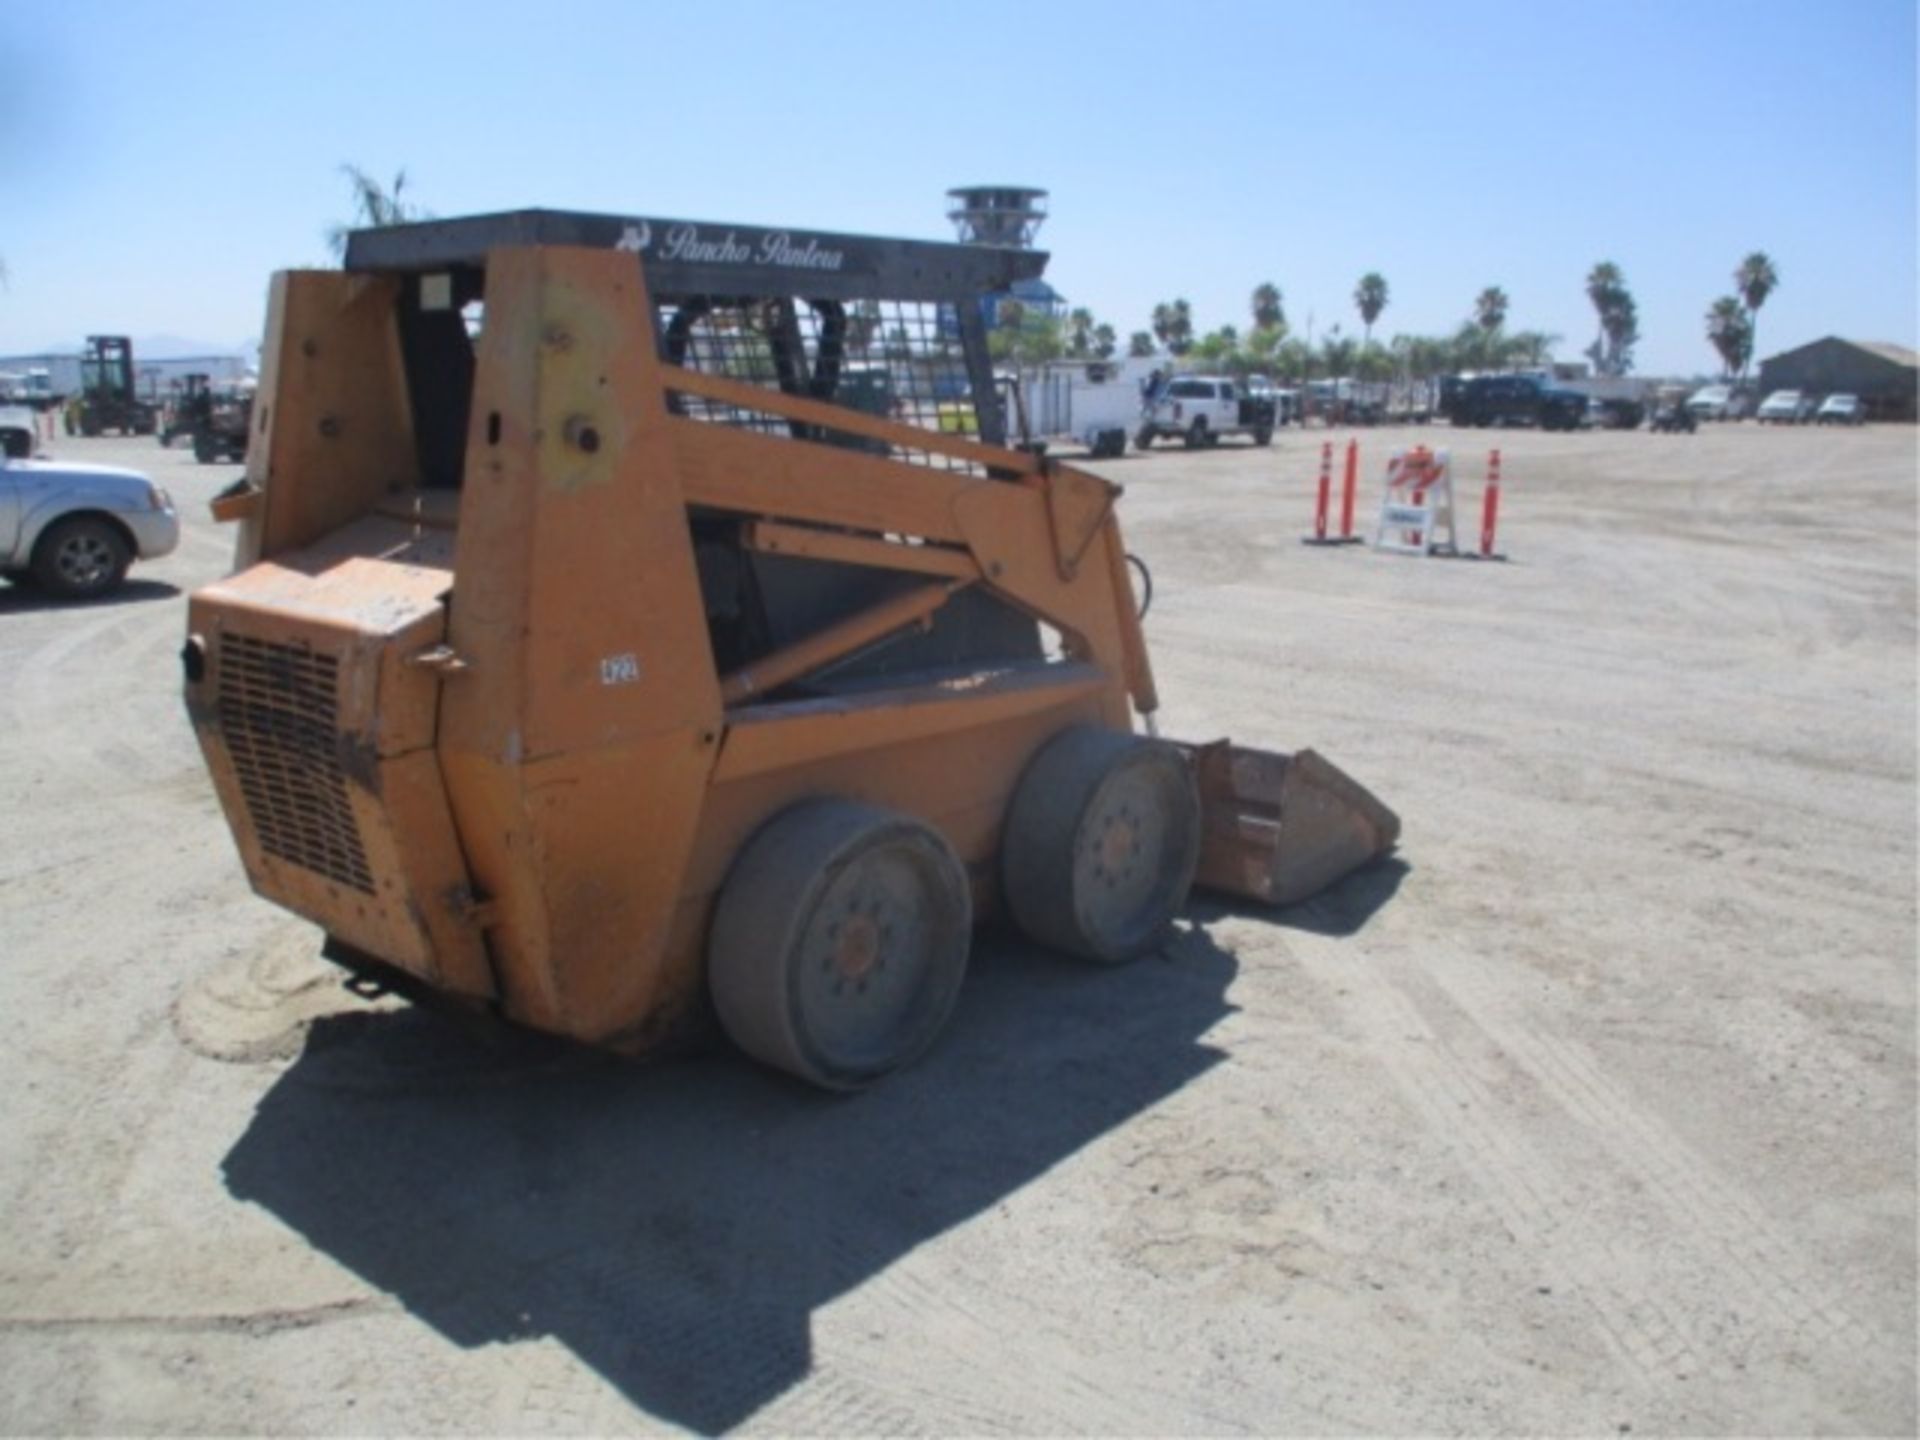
x=891, y=328
x=901, y=360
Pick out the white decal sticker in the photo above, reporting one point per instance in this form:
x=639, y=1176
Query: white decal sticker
x=620, y=669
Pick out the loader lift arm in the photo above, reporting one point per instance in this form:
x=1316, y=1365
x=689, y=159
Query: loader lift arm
x=1023, y=540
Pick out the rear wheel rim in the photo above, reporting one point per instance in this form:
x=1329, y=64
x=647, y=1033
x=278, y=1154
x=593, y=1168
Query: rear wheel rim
x=874, y=969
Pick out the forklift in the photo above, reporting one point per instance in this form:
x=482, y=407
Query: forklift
x=187, y=407
x=107, y=401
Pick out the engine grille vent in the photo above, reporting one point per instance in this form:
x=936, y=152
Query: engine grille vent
x=278, y=713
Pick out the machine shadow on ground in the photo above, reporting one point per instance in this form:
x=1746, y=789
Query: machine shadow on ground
x=1338, y=911
x=676, y=1224
x=16, y=599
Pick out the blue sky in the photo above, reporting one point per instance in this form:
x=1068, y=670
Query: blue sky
x=165, y=158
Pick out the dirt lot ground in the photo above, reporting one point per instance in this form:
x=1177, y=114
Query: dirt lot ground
x=1594, y=1112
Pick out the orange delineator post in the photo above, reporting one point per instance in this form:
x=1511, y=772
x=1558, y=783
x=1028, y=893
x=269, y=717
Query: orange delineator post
x=1324, y=499
x=1346, y=494
x=1326, y=492
x=1490, y=506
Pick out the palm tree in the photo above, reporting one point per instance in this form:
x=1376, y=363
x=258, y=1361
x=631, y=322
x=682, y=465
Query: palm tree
x=1173, y=326
x=1622, y=324
x=1140, y=344
x=1612, y=348
x=373, y=204
x=1079, y=332
x=1605, y=284
x=1755, y=280
x=1490, y=309
x=1268, y=311
x=1180, y=336
x=1105, y=342
x=1370, y=298
x=1730, y=330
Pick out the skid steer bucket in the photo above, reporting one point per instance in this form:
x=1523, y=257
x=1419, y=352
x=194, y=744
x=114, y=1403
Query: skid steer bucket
x=1278, y=828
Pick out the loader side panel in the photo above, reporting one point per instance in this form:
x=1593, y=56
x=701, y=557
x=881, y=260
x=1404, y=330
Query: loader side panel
x=333, y=432
x=577, y=743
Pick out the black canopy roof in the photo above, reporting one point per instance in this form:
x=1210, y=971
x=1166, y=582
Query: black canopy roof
x=700, y=257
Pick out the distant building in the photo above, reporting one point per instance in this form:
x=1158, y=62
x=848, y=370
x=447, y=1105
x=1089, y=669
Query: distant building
x=1886, y=377
x=1032, y=295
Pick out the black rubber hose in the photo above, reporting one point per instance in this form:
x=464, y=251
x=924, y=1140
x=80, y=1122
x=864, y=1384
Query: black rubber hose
x=1146, y=581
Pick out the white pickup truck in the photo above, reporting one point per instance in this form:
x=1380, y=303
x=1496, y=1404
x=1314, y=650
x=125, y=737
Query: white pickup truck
x=1199, y=409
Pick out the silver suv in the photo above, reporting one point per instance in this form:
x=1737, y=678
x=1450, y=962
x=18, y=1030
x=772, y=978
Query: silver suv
x=74, y=529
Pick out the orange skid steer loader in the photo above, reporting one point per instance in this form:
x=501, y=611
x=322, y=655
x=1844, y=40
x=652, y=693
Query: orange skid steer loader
x=638, y=621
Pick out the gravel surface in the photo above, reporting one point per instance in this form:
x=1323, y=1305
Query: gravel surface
x=1594, y=1111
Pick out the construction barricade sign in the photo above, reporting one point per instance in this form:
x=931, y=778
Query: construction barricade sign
x=1416, y=512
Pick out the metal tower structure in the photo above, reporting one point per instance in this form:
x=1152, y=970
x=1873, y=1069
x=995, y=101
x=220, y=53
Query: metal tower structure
x=1009, y=215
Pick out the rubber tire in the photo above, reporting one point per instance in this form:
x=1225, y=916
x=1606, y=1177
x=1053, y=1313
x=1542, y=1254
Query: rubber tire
x=771, y=900
x=203, y=449
x=80, y=530
x=1060, y=799
x=1263, y=437
x=1143, y=440
x=1197, y=437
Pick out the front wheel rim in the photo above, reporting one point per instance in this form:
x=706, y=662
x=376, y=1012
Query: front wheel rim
x=85, y=561
x=1122, y=868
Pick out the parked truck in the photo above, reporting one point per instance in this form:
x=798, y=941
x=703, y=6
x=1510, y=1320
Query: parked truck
x=1200, y=409
x=1484, y=400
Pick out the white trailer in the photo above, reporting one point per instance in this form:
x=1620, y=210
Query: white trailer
x=1090, y=403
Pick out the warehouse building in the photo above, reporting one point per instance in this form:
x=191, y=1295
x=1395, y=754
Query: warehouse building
x=1884, y=376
